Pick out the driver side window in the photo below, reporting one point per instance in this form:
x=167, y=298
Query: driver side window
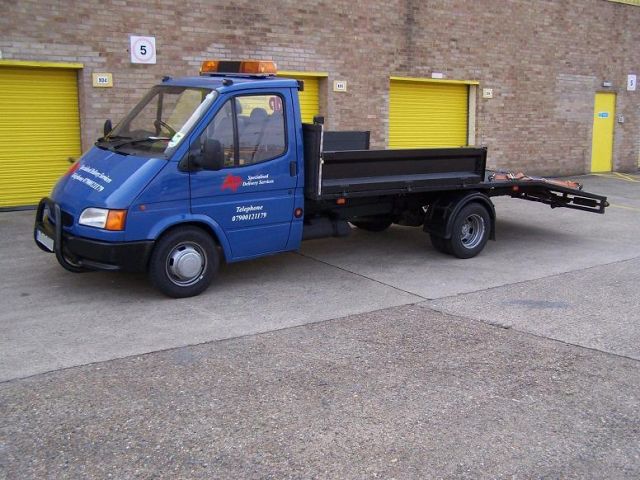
x=257, y=122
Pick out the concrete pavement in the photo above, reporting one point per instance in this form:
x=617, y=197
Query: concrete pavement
x=596, y=308
x=53, y=319
x=392, y=361
x=533, y=241
x=399, y=393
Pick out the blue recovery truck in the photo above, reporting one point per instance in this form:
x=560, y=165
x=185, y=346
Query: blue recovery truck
x=220, y=167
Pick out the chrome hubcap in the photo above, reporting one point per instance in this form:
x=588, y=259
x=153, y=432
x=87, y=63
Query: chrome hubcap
x=472, y=231
x=186, y=263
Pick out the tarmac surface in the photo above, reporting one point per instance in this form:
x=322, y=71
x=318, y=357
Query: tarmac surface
x=368, y=357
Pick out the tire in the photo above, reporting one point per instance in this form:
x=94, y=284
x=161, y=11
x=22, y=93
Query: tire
x=440, y=244
x=184, y=262
x=373, y=224
x=470, y=233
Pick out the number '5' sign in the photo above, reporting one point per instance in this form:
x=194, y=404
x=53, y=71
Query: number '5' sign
x=143, y=49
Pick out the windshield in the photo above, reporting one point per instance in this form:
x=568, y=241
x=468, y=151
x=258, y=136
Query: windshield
x=157, y=125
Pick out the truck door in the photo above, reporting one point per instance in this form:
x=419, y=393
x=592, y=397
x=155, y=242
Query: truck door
x=252, y=197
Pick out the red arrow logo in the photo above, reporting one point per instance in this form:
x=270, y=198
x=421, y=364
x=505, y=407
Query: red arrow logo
x=232, y=183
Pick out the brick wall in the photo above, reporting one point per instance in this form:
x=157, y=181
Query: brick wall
x=545, y=60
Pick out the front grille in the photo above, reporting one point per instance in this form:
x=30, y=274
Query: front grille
x=67, y=219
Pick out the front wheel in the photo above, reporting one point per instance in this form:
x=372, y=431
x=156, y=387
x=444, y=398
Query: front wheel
x=470, y=233
x=184, y=262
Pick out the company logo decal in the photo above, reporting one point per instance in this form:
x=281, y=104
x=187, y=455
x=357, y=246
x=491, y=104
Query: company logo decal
x=82, y=173
x=261, y=179
x=232, y=183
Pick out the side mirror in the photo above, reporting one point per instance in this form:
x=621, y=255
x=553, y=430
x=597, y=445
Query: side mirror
x=212, y=157
x=107, y=127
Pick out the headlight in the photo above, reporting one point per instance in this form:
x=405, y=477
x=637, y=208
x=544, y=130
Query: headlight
x=94, y=217
x=103, y=218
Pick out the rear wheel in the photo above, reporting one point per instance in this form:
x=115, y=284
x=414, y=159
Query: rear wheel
x=372, y=224
x=184, y=262
x=470, y=231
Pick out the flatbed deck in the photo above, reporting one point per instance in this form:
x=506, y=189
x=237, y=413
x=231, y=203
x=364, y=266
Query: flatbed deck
x=332, y=175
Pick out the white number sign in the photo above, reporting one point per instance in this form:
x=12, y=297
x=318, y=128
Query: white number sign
x=143, y=49
x=339, y=85
x=103, y=80
x=631, y=83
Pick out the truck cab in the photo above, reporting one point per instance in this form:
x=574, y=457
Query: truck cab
x=203, y=169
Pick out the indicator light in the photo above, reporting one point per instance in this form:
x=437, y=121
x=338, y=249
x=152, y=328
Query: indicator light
x=115, y=219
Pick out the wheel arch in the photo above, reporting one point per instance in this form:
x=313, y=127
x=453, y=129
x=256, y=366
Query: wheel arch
x=200, y=221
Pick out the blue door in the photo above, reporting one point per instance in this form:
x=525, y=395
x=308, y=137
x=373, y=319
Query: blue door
x=252, y=197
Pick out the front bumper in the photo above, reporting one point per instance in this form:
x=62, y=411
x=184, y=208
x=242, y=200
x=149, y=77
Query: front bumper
x=82, y=253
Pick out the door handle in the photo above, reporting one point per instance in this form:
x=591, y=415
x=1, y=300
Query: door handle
x=293, y=168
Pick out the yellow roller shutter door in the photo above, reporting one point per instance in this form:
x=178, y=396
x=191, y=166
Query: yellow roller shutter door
x=39, y=131
x=425, y=114
x=309, y=97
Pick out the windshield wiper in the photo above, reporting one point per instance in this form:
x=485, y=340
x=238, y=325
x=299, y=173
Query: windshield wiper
x=131, y=141
x=105, y=142
x=109, y=138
